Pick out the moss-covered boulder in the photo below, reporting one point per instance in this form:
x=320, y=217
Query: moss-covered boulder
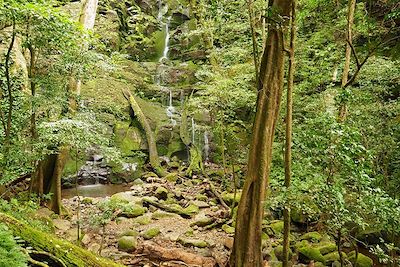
x=309, y=253
x=131, y=232
x=312, y=237
x=362, y=260
x=202, y=220
x=171, y=177
x=191, y=209
x=143, y=220
x=229, y=198
x=127, y=243
x=128, y=138
x=132, y=211
x=326, y=247
x=151, y=233
x=228, y=229
x=276, y=227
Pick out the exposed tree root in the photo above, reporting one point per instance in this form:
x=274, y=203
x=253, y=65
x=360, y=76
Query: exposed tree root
x=153, y=251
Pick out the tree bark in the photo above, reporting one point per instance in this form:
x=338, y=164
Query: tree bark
x=151, y=140
x=289, y=131
x=246, y=251
x=346, y=69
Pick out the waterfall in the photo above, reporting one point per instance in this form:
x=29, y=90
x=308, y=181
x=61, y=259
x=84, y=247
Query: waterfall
x=171, y=109
x=206, y=146
x=165, y=26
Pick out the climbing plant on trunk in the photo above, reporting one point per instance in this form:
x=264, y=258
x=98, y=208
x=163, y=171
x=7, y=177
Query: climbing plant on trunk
x=247, y=243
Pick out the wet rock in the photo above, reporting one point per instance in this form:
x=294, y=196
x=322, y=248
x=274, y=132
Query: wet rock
x=192, y=242
x=151, y=233
x=127, y=243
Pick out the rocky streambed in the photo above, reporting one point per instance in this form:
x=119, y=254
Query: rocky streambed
x=175, y=221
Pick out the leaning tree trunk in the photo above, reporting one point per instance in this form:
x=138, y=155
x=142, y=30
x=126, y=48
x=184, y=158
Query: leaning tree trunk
x=346, y=69
x=151, y=140
x=247, y=245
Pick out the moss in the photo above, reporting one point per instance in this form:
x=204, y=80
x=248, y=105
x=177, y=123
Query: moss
x=279, y=252
x=309, y=253
x=143, y=220
x=326, y=247
x=191, y=209
x=151, y=233
x=229, y=198
x=132, y=211
x=127, y=243
x=131, y=232
x=312, y=236
x=228, y=229
x=75, y=256
x=161, y=193
x=362, y=260
x=71, y=165
x=172, y=177
x=127, y=138
x=333, y=256
x=277, y=227
x=201, y=197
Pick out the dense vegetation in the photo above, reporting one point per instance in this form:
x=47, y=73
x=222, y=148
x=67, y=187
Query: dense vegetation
x=188, y=101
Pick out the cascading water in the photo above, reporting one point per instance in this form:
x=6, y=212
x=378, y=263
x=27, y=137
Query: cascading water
x=165, y=26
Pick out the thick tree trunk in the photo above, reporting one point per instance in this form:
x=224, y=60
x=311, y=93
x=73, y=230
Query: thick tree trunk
x=288, y=144
x=66, y=252
x=151, y=140
x=247, y=245
x=346, y=69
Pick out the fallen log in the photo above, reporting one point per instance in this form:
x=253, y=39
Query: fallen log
x=64, y=251
x=156, y=252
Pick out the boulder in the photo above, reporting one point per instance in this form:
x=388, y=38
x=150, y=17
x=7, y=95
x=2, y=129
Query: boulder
x=362, y=260
x=127, y=243
x=192, y=242
x=151, y=233
x=133, y=211
x=279, y=252
x=161, y=193
x=312, y=236
x=309, y=253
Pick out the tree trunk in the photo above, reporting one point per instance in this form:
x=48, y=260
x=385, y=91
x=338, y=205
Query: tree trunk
x=288, y=144
x=246, y=251
x=151, y=140
x=346, y=69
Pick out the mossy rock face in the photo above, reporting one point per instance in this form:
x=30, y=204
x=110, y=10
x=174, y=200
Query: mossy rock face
x=309, y=253
x=151, y=233
x=128, y=139
x=127, y=243
x=333, y=256
x=326, y=247
x=362, y=260
x=193, y=242
x=279, y=252
x=312, y=236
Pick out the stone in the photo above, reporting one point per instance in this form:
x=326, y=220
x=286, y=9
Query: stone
x=131, y=232
x=362, y=260
x=201, y=197
x=151, y=233
x=312, y=236
x=229, y=198
x=94, y=247
x=143, y=220
x=228, y=229
x=192, y=242
x=127, y=243
x=277, y=227
x=61, y=224
x=133, y=211
x=86, y=239
x=87, y=201
x=126, y=197
x=191, y=209
x=333, y=256
x=326, y=247
x=161, y=193
x=309, y=253
x=228, y=242
x=138, y=182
